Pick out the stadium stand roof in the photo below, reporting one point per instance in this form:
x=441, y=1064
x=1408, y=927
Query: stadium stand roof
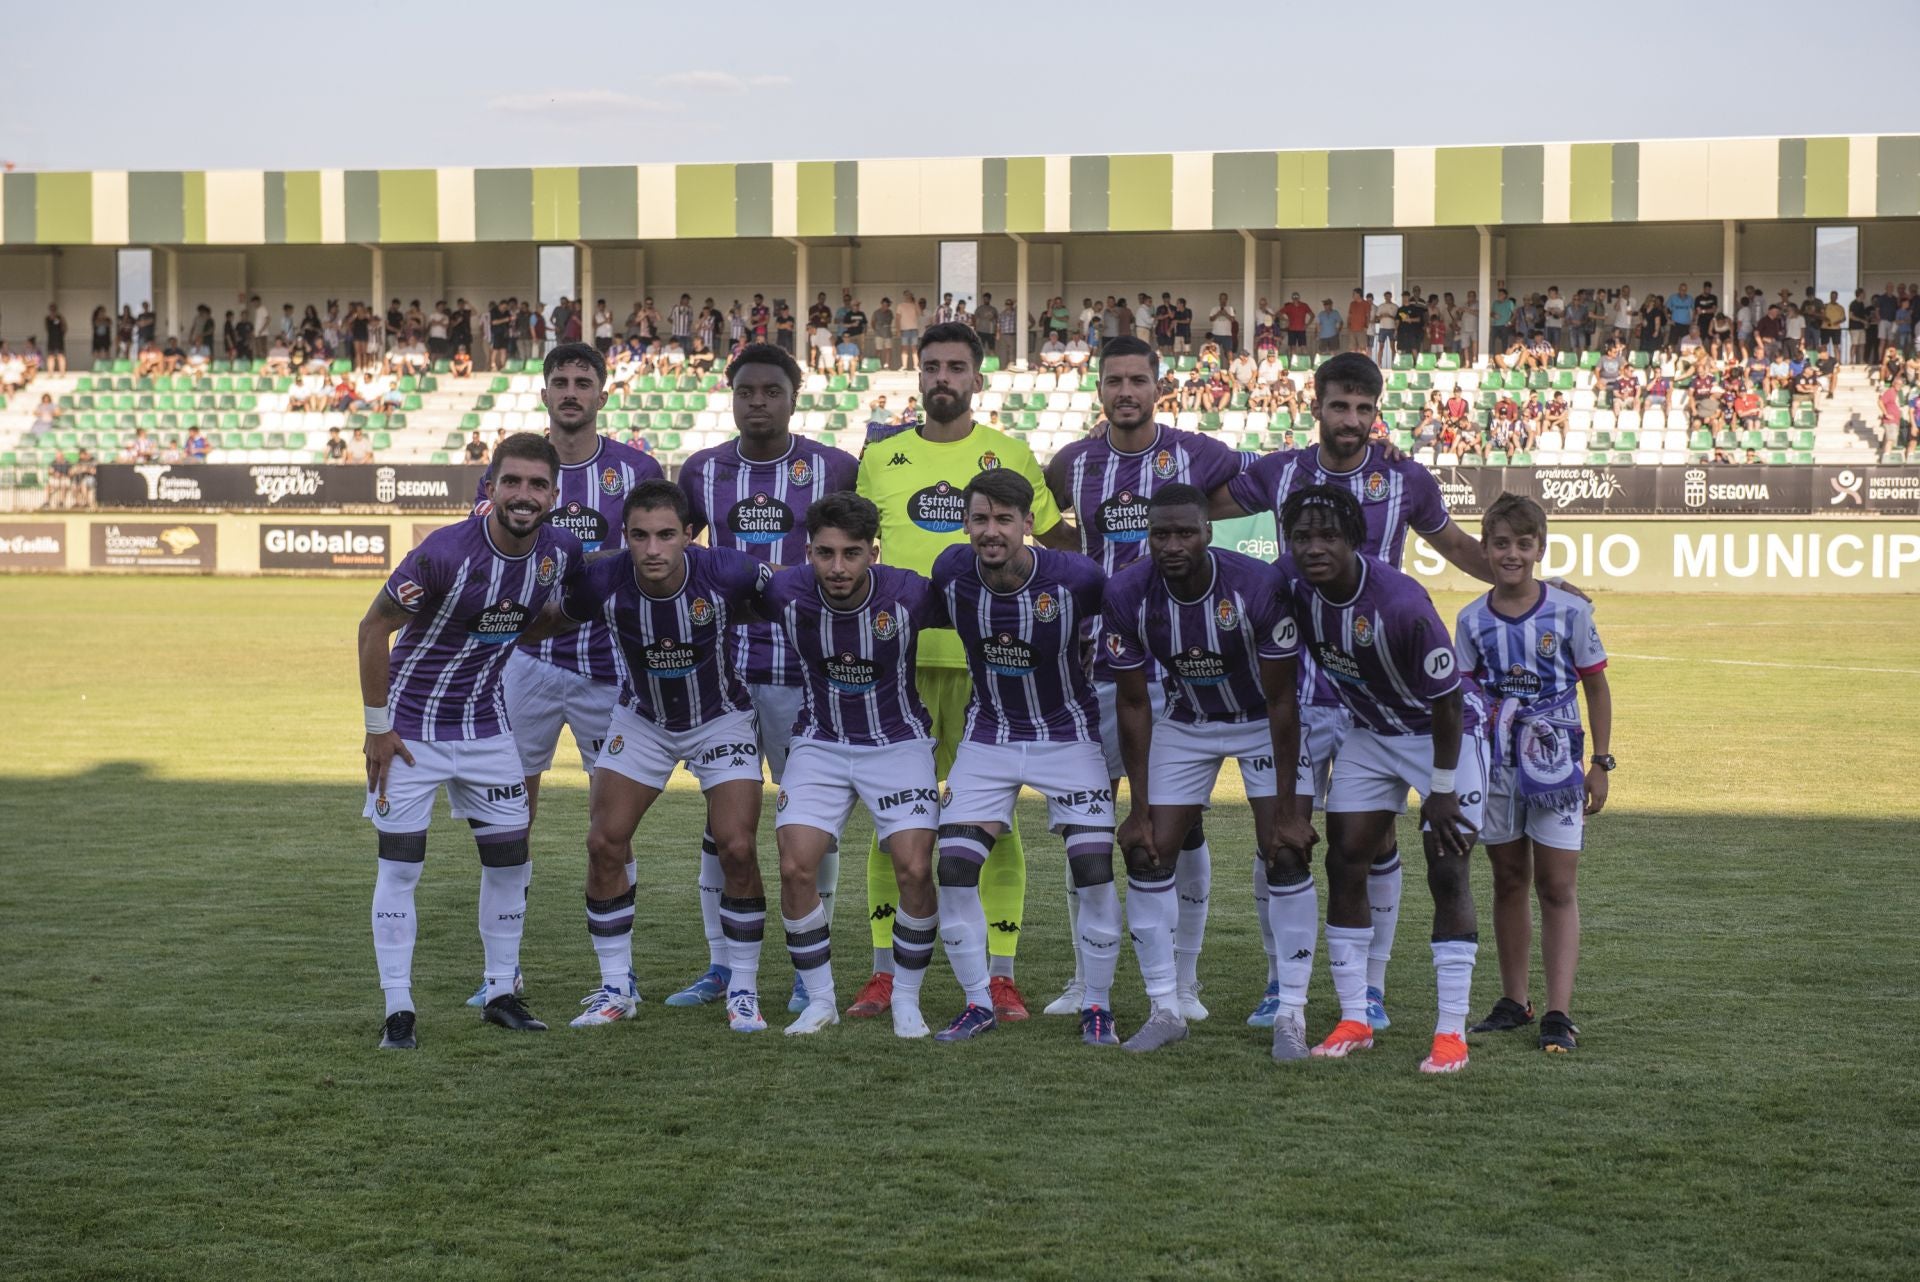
x=1858, y=176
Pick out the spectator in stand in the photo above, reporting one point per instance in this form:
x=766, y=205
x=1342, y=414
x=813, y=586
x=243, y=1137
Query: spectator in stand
x=45, y=415
x=1359, y=321
x=783, y=328
x=56, y=351
x=1243, y=370
x=476, y=451
x=1679, y=316
x=1833, y=322
x=986, y=323
x=908, y=315
x=1263, y=318
x=59, y=482
x=878, y=414
x=462, y=364
x=1860, y=324
x=701, y=359
x=103, y=335
x=1182, y=327
x=335, y=447
x=883, y=328
x=360, y=448
x=197, y=445
x=1271, y=368
x=1009, y=328
x=149, y=362
x=1410, y=326
x=1501, y=316
x=1222, y=325
x=1327, y=324
x=1294, y=318
x=279, y=356
x=1078, y=353
x=1053, y=353
x=846, y=355
x=760, y=319
x=84, y=478
x=1467, y=329
x=820, y=338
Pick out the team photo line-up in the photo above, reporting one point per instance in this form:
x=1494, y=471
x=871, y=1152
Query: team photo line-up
x=921, y=631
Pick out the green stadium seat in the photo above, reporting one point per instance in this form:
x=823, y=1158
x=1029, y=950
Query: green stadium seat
x=455, y=439
x=1523, y=459
x=382, y=441
x=440, y=456
x=1701, y=439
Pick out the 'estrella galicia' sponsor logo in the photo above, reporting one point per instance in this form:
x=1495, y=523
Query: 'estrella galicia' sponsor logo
x=1337, y=663
x=1200, y=666
x=905, y=795
x=1123, y=518
x=1008, y=656
x=850, y=674
x=671, y=657
x=501, y=623
x=1516, y=681
x=938, y=509
x=583, y=522
x=760, y=519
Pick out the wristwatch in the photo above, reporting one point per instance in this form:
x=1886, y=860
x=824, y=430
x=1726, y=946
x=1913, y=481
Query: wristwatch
x=1605, y=761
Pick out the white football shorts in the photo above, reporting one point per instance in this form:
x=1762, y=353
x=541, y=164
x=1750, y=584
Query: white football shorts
x=1109, y=696
x=1509, y=818
x=481, y=776
x=895, y=782
x=543, y=696
x=776, y=708
x=1185, y=760
x=1375, y=771
x=986, y=779
x=720, y=751
x=1322, y=731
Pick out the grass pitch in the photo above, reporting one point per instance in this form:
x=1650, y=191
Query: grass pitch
x=190, y=1086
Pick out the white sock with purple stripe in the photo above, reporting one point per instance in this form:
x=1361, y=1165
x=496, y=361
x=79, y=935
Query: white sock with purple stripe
x=1152, y=911
x=744, y=922
x=610, y=926
x=810, y=945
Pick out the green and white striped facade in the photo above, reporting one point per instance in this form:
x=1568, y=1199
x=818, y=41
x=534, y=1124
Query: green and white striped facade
x=1852, y=177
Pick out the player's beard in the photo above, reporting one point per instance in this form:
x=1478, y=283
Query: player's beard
x=1129, y=418
x=571, y=421
x=946, y=406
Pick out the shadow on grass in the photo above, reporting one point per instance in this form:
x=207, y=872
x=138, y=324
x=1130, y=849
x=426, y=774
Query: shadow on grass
x=191, y=1086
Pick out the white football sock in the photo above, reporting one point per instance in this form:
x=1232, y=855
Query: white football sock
x=713, y=884
x=1073, y=925
x=1098, y=941
x=1260, y=909
x=1293, y=914
x=1151, y=915
x=395, y=927
x=1383, y=898
x=810, y=945
x=744, y=922
x=1347, y=961
x=610, y=927
x=1453, y=982
x=827, y=878
x=912, y=950
x=503, y=919
x=1193, y=882
x=963, y=933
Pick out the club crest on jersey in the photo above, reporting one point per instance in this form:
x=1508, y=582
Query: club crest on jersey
x=700, y=612
x=1227, y=615
x=989, y=461
x=409, y=594
x=610, y=481
x=780, y=802
x=800, y=471
x=1046, y=609
x=380, y=807
x=615, y=744
x=1549, y=644
x=884, y=628
x=547, y=571
x=1376, y=487
x=1163, y=465
x=1362, y=630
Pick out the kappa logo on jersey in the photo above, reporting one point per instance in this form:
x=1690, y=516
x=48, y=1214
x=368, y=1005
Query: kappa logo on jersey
x=738, y=751
x=989, y=461
x=1164, y=466
x=1376, y=487
x=1549, y=643
x=780, y=802
x=899, y=460
x=1227, y=615
x=905, y=795
x=800, y=471
x=1362, y=629
x=1439, y=662
x=610, y=482
x=700, y=612
x=546, y=572
x=1046, y=609
x=884, y=628
x=615, y=744
x=409, y=594
x=938, y=509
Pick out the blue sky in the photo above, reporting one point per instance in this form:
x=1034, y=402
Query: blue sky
x=484, y=83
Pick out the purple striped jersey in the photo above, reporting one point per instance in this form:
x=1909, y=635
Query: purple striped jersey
x=761, y=509
x=469, y=603
x=857, y=665
x=1108, y=490
x=672, y=652
x=1394, y=497
x=1537, y=657
x=586, y=504
x=1208, y=650
x=1386, y=653
x=1023, y=647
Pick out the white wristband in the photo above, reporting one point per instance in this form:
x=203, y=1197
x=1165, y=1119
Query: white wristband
x=1442, y=781
x=379, y=720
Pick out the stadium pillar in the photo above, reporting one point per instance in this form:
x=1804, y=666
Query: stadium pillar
x=584, y=299
x=639, y=274
x=1020, y=300
x=800, y=300
x=1483, y=315
x=1273, y=271
x=1729, y=262
x=846, y=267
x=377, y=268
x=172, y=258
x=1249, y=261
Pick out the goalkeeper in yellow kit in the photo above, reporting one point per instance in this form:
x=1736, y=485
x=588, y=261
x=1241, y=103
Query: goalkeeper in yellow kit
x=915, y=477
